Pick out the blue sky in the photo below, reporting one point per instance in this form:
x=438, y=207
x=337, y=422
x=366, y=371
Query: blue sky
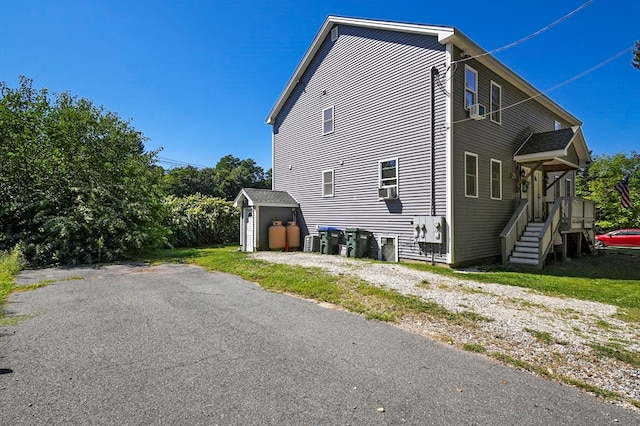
x=199, y=77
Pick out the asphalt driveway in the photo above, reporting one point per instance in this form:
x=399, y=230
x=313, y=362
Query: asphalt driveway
x=174, y=344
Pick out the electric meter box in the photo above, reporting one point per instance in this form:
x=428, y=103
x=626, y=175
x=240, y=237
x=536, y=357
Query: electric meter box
x=429, y=229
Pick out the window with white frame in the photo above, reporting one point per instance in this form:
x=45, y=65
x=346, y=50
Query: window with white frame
x=496, y=179
x=388, y=172
x=328, y=116
x=568, y=188
x=328, y=120
x=496, y=103
x=557, y=125
x=327, y=183
x=470, y=86
x=471, y=174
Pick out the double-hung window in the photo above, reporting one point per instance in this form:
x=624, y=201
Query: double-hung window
x=496, y=179
x=496, y=103
x=471, y=175
x=327, y=183
x=470, y=86
x=328, y=120
x=388, y=173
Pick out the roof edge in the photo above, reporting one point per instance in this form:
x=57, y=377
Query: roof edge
x=441, y=32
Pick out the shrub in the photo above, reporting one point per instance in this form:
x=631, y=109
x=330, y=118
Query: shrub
x=199, y=220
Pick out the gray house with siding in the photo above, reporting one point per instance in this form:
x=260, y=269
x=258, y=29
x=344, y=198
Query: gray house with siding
x=415, y=133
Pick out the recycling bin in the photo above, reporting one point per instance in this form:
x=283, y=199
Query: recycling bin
x=329, y=239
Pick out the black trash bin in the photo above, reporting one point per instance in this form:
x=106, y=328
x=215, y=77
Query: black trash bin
x=358, y=241
x=329, y=239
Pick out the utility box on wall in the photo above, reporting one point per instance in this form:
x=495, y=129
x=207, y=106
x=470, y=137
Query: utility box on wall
x=429, y=229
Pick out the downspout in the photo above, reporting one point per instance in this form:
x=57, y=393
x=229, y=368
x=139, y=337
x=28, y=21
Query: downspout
x=434, y=75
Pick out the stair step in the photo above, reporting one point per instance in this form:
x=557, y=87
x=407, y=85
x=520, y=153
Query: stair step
x=530, y=234
x=527, y=255
x=526, y=249
x=523, y=261
x=530, y=239
x=528, y=244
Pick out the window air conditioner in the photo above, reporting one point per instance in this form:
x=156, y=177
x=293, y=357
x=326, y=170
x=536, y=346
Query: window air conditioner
x=388, y=192
x=477, y=112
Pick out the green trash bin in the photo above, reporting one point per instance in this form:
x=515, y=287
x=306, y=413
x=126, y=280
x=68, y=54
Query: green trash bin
x=357, y=242
x=329, y=239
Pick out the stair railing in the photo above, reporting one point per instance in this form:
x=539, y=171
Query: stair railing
x=514, y=228
x=550, y=227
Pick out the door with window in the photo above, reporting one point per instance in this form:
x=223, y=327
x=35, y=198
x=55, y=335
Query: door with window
x=538, y=196
x=533, y=190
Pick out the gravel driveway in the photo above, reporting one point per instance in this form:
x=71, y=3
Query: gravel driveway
x=518, y=315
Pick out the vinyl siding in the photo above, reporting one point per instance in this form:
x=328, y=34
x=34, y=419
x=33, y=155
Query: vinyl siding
x=379, y=83
x=479, y=221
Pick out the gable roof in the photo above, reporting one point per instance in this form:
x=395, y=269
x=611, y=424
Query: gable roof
x=264, y=197
x=563, y=149
x=445, y=35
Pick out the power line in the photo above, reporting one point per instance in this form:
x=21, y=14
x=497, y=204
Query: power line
x=564, y=83
x=529, y=37
x=177, y=163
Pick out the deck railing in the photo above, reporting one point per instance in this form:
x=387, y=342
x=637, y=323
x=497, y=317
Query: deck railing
x=579, y=215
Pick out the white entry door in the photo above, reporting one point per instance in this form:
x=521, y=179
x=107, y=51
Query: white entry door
x=248, y=229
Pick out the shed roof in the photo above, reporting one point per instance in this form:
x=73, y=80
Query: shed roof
x=264, y=197
x=563, y=149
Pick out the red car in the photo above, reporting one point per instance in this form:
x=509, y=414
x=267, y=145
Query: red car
x=619, y=238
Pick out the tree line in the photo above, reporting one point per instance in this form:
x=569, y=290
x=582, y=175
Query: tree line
x=78, y=186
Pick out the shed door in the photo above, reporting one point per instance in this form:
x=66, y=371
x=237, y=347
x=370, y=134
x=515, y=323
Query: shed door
x=248, y=229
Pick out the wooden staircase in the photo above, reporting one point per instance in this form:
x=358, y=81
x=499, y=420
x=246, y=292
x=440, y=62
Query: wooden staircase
x=527, y=248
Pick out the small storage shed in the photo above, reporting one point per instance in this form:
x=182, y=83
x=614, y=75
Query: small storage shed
x=258, y=209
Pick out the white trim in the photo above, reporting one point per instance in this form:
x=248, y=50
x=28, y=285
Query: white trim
x=333, y=120
x=449, y=156
x=333, y=182
x=466, y=192
x=397, y=252
x=475, y=92
x=446, y=35
x=397, y=185
x=491, y=112
x=273, y=158
x=568, y=183
x=493, y=160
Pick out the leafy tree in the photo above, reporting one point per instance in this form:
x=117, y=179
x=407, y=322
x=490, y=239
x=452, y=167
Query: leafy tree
x=636, y=56
x=184, y=181
x=233, y=174
x=223, y=181
x=598, y=182
x=76, y=185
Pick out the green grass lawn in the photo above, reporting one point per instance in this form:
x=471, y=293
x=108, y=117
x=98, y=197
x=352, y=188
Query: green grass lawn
x=612, y=277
